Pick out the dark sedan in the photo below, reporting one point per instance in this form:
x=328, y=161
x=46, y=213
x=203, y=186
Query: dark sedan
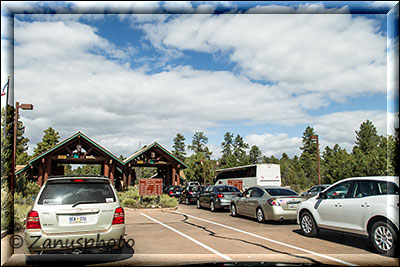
x=173, y=190
x=217, y=197
x=189, y=194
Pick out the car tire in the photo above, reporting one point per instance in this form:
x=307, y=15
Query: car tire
x=212, y=206
x=383, y=238
x=234, y=211
x=187, y=201
x=307, y=224
x=260, y=215
x=198, y=204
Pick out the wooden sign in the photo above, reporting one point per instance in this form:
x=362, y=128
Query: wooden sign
x=150, y=187
x=236, y=183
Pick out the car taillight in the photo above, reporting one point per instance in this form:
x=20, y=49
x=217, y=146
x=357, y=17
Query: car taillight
x=220, y=195
x=273, y=202
x=33, y=222
x=190, y=192
x=170, y=192
x=119, y=217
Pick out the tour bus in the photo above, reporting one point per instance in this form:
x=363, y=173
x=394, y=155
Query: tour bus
x=245, y=176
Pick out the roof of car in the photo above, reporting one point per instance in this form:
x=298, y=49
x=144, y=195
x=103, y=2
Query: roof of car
x=381, y=178
x=66, y=177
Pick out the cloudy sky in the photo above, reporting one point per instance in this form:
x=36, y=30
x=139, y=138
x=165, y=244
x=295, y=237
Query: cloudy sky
x=127, y=73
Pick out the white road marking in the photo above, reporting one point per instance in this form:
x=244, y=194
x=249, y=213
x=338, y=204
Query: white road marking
x=271, y=240
x=190, y=238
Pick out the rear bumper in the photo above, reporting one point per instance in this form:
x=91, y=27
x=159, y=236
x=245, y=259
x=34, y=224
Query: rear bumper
x=38, y=241
x=222, y=203
x=278, y=214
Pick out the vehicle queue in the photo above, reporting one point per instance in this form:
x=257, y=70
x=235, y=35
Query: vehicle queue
x=367, y=206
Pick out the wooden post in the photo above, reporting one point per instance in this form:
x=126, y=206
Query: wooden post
x=41, y=172
x=174, y=176
x=47, y=170
x=106, y=169
x=112, y=172
x=129, y=175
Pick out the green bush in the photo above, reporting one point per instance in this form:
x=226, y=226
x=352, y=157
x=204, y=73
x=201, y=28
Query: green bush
x=131, y=198
x=20, y=214
x=5, y=206
x=168, y=202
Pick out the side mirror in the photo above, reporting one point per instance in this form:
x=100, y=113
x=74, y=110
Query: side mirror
x=322, y=195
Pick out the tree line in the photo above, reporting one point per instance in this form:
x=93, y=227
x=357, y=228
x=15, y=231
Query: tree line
x=371, y=155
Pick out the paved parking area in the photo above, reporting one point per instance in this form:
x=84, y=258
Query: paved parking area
x=188, y=235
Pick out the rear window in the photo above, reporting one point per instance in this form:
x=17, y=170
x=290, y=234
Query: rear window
x=280, y=192
x=194, y=188
x=70, y=193
x=227, y=189
x=387, y=188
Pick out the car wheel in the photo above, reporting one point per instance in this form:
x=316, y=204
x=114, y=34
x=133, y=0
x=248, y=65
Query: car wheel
x=308, y=225
x=187, y=201
x=384, y=238
x=198, y=204
x=260, y=215
x=233, y=210
x=212, y=206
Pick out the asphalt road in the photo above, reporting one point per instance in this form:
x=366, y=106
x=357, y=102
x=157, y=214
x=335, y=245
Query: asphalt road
x=188, y=235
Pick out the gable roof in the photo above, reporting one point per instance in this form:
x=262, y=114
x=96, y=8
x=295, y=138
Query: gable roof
x=155, y=144
x=76, y=135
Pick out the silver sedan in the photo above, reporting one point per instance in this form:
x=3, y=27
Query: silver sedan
x=264, y=203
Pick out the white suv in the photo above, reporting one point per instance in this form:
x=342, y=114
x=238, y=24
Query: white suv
x=75, y=214
x=361, y=205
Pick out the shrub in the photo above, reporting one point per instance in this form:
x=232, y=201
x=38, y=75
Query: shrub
x=130, y=198
x=5, y=207
x=20, y=214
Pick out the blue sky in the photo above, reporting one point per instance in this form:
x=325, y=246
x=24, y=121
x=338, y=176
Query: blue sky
x=130, y=73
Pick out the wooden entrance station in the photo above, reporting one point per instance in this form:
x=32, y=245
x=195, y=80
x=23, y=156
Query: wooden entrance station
x=80, y=149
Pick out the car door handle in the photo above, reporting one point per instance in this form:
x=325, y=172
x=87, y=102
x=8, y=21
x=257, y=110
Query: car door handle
x=338, y=205
x=365, y=205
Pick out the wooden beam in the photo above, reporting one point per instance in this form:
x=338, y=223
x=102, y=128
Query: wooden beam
x=47, y=170
x=106, y=168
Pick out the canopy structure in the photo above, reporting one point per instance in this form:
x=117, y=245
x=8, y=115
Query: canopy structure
x=80, y=149
x=168, y=165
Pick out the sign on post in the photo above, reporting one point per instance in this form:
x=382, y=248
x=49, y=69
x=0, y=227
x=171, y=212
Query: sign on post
x=150, y=187
x=236, y=183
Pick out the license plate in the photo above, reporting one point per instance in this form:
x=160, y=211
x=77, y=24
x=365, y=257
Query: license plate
x=292, y=205
x=77, y=219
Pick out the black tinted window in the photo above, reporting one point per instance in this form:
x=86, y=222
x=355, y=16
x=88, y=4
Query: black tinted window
x=257, y=193
x=70, y=193
x=226, y=189
x=387, y=188
x=281, y=192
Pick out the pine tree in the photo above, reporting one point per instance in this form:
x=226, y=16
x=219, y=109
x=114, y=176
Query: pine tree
x=179, y=147
x=308, y=158
x=199, y=143
x=49, y=140
x=255, y=155
x=22, y=156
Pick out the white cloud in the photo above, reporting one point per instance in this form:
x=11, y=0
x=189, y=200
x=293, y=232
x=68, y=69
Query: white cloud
x=339, y=55
x=275, y=144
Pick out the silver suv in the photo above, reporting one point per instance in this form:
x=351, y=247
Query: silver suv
x=75, y=214
x=363, y=205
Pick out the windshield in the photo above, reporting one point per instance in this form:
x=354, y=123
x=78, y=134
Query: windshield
x=71, y=193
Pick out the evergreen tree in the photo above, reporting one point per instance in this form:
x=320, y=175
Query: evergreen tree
x=198, y=145
x=284, y=163
x=239, y=151
x=367, y=138
x=49, y=140
x=255, y=155
x=7, y=142
x=179, y=147
x=337, y=164
x=308, y=158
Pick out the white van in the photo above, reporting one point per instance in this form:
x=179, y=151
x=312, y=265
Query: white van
x=250, y=175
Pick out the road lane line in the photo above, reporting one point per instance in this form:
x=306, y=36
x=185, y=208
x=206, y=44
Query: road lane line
x=270, y=240
x=190, y=238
